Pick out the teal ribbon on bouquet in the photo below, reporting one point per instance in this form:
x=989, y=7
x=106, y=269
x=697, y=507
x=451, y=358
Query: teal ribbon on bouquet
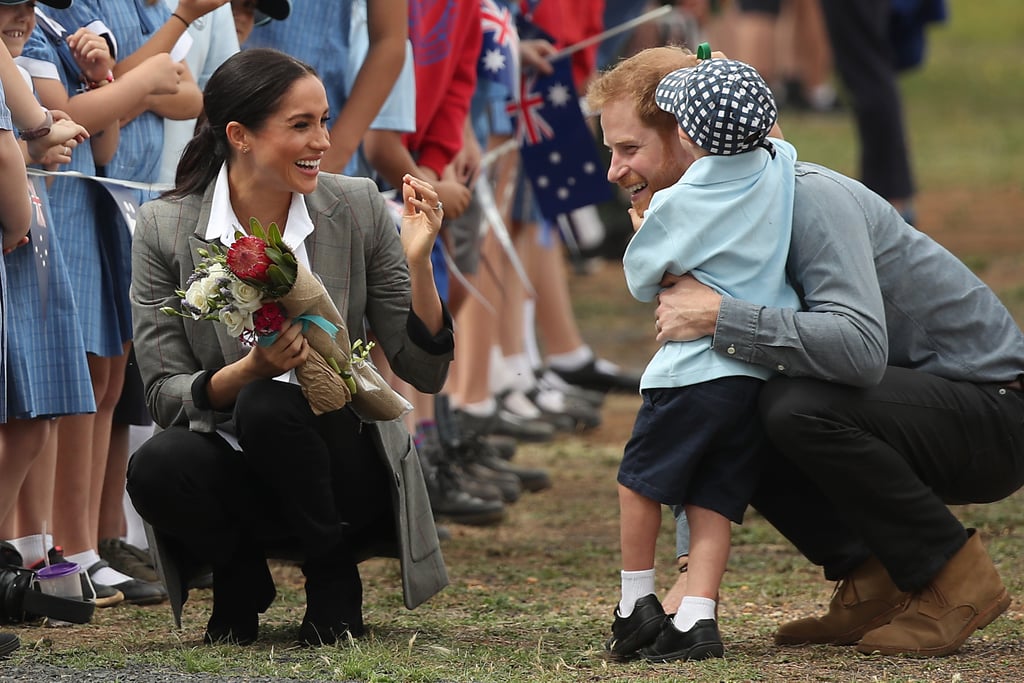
x=306, y=320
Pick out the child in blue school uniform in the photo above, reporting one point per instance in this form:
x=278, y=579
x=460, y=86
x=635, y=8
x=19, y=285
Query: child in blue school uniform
x=727, y=222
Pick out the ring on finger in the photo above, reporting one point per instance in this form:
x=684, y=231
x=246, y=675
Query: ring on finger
x=440, y=205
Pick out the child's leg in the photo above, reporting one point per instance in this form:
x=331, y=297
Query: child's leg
x=709, y=554
x=639, y=522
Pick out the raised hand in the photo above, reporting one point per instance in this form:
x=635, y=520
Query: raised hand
x=421, y=221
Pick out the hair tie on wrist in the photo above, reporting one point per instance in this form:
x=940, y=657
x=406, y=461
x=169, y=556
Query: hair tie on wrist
x=181, y=18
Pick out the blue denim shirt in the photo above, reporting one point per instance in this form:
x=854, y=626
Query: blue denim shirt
x=876, y=292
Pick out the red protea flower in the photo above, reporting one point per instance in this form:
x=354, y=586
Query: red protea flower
x=247, y=258
x=269, y=319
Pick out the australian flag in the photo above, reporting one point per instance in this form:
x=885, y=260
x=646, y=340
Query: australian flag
x=499, y=56
x=557, y=149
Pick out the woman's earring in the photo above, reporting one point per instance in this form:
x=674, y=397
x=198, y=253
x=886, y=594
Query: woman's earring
x=245, y=149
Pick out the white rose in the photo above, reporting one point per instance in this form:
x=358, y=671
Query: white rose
x=218, y=270
x=245, y=296
x=212, y=284
x=237, y=321
x=196, y=296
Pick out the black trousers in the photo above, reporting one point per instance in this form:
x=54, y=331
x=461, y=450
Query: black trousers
x=871, y=471
x=859, y=35
x=312, y=483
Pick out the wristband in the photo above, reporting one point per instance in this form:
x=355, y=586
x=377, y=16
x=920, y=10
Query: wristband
x=181, y=18
x=92, y=85
x=39, y=132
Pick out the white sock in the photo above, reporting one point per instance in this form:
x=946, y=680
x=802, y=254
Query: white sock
x=521, y=369
x=572, y=360
x=483, y=408
x=530, y=333
x=499, y=377
x=692, y=610
x=635, y=585
x=517, y=403
x=108, y=576
x=32, y=547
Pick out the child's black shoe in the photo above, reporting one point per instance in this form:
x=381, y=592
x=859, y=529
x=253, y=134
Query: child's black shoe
x=702, y=641
x=640, y=628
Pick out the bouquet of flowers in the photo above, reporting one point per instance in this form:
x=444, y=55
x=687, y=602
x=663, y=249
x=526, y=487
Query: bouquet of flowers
x=254, y=287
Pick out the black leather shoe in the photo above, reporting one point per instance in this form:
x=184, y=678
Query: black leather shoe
x=135, y=592
x=640, y=628
x=600, y=376
x=702, y=641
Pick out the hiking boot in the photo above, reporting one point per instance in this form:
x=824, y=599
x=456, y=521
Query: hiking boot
x=864, y=600
x=449, y=502
x=966, y=595
x=129, y=560
x=476, y=455
x=701, y=641
x=640, y=628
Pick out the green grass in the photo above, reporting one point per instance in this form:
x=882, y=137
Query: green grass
x=531, y=600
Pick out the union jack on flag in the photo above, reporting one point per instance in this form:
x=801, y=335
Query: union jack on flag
x=558, y=150
x=499, y=54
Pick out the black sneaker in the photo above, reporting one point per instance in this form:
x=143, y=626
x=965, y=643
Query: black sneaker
x=640, y=628
x=702, y=641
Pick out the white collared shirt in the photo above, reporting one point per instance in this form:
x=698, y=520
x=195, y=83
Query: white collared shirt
x=224, y=223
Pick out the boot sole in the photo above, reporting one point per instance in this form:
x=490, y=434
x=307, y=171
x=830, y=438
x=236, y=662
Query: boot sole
x=980, y=621
x=848, y=638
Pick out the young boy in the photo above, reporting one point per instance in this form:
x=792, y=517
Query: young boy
x=727, y=222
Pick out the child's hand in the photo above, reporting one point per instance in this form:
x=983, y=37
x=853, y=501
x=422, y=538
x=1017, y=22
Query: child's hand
x=635, y=218
x=56, y=147
x=92, y=54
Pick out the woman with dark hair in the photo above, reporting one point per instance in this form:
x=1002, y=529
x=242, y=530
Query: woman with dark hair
x=243, y=469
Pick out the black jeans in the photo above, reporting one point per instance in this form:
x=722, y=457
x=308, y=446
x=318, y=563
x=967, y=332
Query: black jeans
x=301, y=481
x=871, y=471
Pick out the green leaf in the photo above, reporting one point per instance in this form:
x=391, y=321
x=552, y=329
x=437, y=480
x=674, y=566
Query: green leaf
x=274, y=254
x=274, y=235
x=256, y=229
x=277, y=277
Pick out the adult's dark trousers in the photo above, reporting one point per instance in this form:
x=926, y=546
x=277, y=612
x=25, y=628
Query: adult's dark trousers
x=858, y=472
x=305, y=482
x=858, y=32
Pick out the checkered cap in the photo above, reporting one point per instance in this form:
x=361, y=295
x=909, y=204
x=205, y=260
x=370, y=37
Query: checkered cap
x=722, y=104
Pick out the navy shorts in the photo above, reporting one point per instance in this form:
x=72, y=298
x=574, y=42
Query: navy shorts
x=698, y=445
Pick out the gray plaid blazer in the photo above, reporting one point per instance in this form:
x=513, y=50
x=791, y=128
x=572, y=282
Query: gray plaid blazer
x=356, y=251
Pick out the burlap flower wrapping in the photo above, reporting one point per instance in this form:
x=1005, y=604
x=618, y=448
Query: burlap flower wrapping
x=371, y=396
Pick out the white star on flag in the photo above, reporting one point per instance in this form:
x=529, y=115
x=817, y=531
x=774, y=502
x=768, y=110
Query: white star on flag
x=494, y=60
x=558, y=95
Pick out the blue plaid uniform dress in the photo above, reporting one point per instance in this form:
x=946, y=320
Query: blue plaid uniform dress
x=47, y=372
x=316, y=32
x=44, y=362
x=96, y=256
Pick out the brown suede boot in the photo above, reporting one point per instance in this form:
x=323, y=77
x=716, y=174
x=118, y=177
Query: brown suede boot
x=864, y=600
x=966, y=595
